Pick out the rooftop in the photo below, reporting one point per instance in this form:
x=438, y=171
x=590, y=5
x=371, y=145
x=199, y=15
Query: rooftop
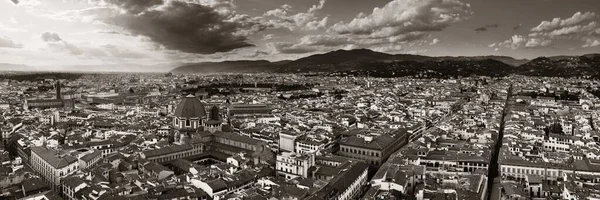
x=190, y=107
x=51, y=157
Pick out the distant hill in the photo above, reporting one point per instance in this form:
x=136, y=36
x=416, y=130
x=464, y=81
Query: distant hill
x=437, y=68
x=14, y=67
x=117, y=68
x=365, y=61
x=241, y=66
x=372, y=63
x=562, y=66
x=345, y=60
x=505, y=59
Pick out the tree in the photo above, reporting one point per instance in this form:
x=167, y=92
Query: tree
x=554, y=128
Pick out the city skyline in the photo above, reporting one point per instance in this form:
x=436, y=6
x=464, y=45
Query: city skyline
x=162, y=34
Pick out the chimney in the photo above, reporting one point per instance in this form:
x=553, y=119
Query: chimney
x=368, y=139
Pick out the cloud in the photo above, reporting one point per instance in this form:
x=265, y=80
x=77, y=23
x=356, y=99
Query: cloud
x=579, y=27
x=281, y=18
x=184, y=25
x=323, y=40
x=591, y=43
x=519, y=41
x=268, y=37
x=54, y=41
x=486, y=27
x=120, y=52
x=289, y=48
x=517, y=27
x=387, y=28
x=26, y=2
x=388, y=48
x=134, y=6
x=50, y=37
x=558, y=23
x=113, y=32
x=435, y=41
x=11, y=28
x=9, y=43
x=537, y=42
x=256, y=54
x=400, y=17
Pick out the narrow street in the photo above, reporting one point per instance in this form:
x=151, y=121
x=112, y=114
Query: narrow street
x=493, y=173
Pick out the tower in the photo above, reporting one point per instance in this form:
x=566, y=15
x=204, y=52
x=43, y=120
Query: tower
x=214, y=122
x=57, y=87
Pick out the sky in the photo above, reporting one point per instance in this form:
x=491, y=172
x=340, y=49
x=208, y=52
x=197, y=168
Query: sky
x=156, y=35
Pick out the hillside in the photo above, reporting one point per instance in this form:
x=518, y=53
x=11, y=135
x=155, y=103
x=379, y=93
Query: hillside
x=372, y=63
x=14, y=67
x=562, y=66
x=505, y=59
x=240, y=66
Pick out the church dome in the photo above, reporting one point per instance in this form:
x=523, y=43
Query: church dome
x=190, y=107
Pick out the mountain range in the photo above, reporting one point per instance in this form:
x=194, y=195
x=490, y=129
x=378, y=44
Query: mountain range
x=371, y=63
x=368, y=62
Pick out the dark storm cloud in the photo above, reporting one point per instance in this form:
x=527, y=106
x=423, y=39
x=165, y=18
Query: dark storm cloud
x=185, y=26
x=15, y=1
x=50, y=37
x=486, y=27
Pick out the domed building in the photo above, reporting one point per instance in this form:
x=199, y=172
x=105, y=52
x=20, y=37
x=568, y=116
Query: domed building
x=189, y=113
x=199, y=137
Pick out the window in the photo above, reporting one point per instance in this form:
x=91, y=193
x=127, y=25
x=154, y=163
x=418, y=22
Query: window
x=187, y=122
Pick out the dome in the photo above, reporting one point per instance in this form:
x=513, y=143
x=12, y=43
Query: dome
x=190, y=107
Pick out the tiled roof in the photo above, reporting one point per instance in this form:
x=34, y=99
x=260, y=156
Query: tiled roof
x=190, y=107
x=155, y=167
x=73, y=182
x=33, y=185
x=167, y=150
x=379, y=142
x=217, y=185
x=239, y=138
x=52, y=158
x=90, y=156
